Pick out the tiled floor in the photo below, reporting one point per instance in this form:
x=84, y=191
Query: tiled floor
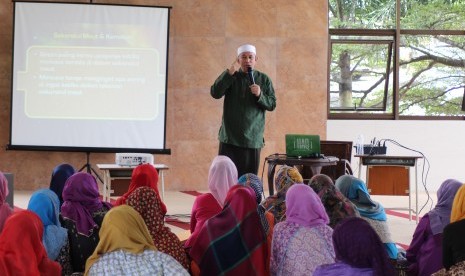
x=180, y=203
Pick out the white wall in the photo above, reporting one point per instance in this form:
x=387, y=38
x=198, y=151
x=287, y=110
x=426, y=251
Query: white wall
x=442, y=143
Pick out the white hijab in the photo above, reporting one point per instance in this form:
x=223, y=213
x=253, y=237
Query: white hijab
x=221, y=177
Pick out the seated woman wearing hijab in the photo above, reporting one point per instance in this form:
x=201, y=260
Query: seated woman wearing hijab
x=126, y=248
x=337, y=206
x=5, y=208
x=359, y=251
x=60, y=174
x=144, y=175
x=145, y=201
x=276, y=204
x=82, y=213
x=373, y=212
x=266, y=218
x=232, y=242
x=46, y=205
x=425, y=251
x=21, y=249
x=303, y=241
x=222, y=175
x=453, y=243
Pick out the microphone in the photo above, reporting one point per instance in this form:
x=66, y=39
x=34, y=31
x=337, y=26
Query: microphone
x=250, y=73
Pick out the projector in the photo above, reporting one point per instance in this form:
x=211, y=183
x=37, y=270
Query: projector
x=133, y=159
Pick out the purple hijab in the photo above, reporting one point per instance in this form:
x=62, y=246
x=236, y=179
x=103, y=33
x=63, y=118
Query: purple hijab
x=357, y=244
x=304, y=207
x=439, y=217
x=81, y=199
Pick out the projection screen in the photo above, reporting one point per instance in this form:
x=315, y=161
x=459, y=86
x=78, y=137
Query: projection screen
x=89, y=77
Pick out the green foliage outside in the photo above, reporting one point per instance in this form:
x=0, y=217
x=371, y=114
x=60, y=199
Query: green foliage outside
x=431, y=64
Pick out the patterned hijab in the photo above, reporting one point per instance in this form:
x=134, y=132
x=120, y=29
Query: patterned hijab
x=304, y=207
x=122, y=228
x=253, y=181
x=337, y=206
x=46, y=205
x=356, y=191
x=458, y=206
x=232, y=242
x=144, y=175
x=145, y=201
x=21, y=248
x=60, y=174
x=285, y=178
x=5, y=209
x=81, y=199
x=357, y=244
x=439, y=217
x=221, y=177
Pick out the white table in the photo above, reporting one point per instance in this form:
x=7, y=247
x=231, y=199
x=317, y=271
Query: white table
x=114, y=171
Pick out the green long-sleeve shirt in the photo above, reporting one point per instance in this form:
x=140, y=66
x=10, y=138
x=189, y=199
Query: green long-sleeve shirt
x=243, y=121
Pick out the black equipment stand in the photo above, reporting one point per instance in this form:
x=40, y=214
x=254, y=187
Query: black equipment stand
x=89, y=168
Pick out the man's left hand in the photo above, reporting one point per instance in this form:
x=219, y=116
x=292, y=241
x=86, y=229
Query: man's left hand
x=255, y=88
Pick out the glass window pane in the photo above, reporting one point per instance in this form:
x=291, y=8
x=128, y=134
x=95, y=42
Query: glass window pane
x=431, y=75
x=360, y=79
x=433, y=15
x=362, y=14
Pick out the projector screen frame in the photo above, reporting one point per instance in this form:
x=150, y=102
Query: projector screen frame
x=87, y=149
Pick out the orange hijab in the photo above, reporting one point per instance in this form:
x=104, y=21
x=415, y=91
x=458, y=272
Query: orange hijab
x=458, y=206
x=21, y=248
x=144, y=175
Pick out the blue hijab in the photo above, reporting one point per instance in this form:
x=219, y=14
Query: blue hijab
x=356, y=191
x=46, y=205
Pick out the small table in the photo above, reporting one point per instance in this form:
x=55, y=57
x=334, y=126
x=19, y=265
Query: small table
x=315, y=165
x=384, y=174
x=114, y=171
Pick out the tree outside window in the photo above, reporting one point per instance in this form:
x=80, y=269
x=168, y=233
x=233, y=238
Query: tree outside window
x=396, y=67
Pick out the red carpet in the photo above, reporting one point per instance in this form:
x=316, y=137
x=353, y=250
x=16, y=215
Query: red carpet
x=192, y=193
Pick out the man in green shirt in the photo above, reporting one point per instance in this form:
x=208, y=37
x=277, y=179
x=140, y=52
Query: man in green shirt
x=247, y=95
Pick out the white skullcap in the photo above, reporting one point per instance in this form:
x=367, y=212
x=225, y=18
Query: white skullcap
x=246, y=48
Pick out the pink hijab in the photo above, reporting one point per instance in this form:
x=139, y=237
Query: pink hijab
x=5, y=209
x=304, y=207
x=221, y=177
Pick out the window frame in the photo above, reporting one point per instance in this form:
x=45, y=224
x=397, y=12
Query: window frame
x=396, y=34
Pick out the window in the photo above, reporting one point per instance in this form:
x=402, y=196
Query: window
x=405, y=67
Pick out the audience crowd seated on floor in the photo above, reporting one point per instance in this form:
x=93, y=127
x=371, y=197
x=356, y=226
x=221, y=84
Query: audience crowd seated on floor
x=322, y=228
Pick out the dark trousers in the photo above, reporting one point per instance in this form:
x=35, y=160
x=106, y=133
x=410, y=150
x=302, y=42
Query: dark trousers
x=247, y=160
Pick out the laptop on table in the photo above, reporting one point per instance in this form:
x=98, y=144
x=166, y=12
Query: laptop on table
x=303, y=145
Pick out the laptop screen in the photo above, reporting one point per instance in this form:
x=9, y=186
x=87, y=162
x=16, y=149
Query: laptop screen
x=302, y=145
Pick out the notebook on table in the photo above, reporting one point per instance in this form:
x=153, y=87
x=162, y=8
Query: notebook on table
x=303, y=145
